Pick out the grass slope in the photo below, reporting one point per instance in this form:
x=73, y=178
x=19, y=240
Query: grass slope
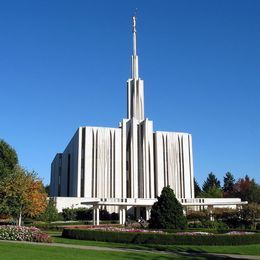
x=242, y=250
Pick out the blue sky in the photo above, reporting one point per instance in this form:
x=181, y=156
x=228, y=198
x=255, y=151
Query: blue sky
x=64, y=64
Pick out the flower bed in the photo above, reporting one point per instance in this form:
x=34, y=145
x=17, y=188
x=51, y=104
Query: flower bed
x=118, y=229
x=193, y=233
x=17, y=233
x=241, y=233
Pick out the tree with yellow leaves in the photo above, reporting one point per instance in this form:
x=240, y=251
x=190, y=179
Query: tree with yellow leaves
x=22, y=194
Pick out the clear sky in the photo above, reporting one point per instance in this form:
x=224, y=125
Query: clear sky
x=64, y=64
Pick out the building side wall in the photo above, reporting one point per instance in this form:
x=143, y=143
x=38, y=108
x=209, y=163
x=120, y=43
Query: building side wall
x=55, y=172
x=70, y=169
x=103, y=163
x=131, y=161
x=174, y=163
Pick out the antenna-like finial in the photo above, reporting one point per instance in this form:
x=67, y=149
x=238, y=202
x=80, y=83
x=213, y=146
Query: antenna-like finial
x=134, y=56
x=134, y=24
x=134, y=33
x=135, y=12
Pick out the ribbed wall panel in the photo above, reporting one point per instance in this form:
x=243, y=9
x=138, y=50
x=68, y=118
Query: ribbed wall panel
x=174, y=164
x=103, y=162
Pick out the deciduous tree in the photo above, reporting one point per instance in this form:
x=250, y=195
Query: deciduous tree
x=247, y=189
x=8, y=159
x=22, y=194
x=249, y=214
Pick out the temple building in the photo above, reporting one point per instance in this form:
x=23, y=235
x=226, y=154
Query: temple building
x=125, y=166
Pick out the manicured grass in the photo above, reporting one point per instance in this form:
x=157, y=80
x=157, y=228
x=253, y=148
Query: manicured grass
x=242, y=250
x=16, y=251
x=57, y=238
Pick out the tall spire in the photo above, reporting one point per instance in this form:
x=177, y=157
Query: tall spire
x=134, y=35
x=134, y=56
x=135, y=86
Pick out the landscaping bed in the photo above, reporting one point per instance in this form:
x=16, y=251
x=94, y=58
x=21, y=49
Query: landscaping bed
x=60, y=225
x=146, y=237
x=17, y=233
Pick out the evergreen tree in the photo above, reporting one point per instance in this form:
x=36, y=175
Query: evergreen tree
x=229, y=183
x=167, y=212
x=51, y=213
x=213, y=192
x=197, y=189
x=211, y=182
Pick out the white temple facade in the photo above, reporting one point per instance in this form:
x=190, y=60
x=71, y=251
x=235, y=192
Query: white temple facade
x=127, y=167
x=128, y=163
x=131, y=161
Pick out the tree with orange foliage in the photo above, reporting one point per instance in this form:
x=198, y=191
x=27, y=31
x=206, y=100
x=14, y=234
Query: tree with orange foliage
x=22, y=194
x=247, y=189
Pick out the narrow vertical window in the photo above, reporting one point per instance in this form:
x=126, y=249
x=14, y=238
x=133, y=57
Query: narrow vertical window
x=59, y=182
x=68, y=176
x=59, y=174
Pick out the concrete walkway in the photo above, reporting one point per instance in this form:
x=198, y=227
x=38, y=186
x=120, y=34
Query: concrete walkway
x=99, y=248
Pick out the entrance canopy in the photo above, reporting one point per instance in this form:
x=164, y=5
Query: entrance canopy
x=123, y=203
x=120, y=202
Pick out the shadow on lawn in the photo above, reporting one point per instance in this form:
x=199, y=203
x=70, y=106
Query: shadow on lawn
x=178, y=252
x=191, y=252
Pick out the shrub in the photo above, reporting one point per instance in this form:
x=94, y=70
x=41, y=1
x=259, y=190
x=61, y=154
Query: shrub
x=114, y=216
x=221, y=227
x=258, y=226
x=86, y=214
x=58, y=226
x=19, y=233
x=233, y=221
x=104, y=215
x=209, y=224
x=194, y=224
x=249, y=214
x=50, y=214
x=224, y=213
x=48, y=226
x=69, y=214
x=83, y=214
x=198, y=215
x=163, y=239
x=167, y=212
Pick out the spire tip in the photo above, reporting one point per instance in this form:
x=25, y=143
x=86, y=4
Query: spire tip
x=134, y=56
x=134, y=23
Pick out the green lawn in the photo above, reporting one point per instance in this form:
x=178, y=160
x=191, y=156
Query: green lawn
x=242, y=250
x=16, y=251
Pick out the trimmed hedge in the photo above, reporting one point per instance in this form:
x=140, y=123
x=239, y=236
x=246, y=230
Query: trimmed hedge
x=57, y=226
x=157, y=238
